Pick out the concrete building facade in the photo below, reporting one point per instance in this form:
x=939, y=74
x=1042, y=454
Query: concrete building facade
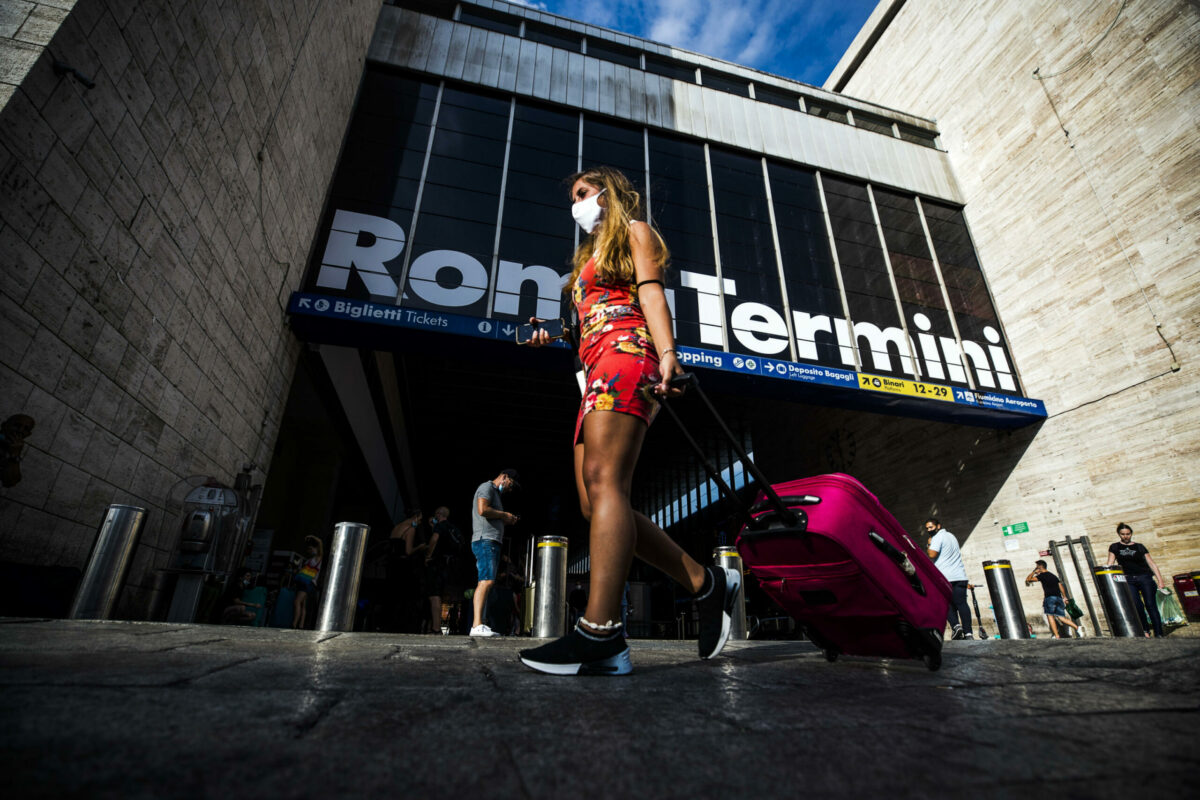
x=1074, y=132
x=162, y=166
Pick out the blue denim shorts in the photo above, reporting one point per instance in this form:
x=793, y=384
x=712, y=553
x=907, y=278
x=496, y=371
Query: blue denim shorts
x=1054, y=606
x=487, y=557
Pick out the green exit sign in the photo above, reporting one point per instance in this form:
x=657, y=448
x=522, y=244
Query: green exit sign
x=1013, y=530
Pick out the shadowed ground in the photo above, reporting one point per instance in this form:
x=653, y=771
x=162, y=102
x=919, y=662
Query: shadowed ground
x=119, y=709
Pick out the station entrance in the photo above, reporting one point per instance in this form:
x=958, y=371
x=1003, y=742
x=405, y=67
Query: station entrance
x=380, y=423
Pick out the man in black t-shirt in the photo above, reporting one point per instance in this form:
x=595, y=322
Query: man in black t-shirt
x=1054, y=598
x=1140, y=572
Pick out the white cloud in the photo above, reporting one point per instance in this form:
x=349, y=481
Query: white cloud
x=791, y=37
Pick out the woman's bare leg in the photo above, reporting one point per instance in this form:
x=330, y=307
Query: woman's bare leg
x=659, y=550
x=612, y=442
x=606, y=470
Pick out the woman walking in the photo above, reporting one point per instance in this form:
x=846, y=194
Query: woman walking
x=305, y=581
x=628, y=352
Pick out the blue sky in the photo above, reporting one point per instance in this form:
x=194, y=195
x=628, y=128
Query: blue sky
x=798, y=39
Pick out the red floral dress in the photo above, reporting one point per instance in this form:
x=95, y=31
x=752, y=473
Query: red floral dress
x=619, y=360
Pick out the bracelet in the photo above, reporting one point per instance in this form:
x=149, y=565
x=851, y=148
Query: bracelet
x=663, y=354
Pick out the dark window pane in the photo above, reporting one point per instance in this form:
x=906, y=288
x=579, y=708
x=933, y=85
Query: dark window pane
x=811, y=281
x=835, y=113
x=618, y=146
x=871, y=122
x=390, y=133
x=969, y=299
x=608, y=51
x=725, y=83
x=555, y=37
x=869, y=294
x=679, y=200
x=776, y=97
x=917, y=283
x=491, y=20
x=548, y=118
x=917, y=135
x=538, y=228
x=461, y=197
x=670, y=69
x=434, y=8
x=458, y=200
x=747, y=246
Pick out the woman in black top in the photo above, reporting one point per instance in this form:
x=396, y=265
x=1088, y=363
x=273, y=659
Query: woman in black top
x=1135, y=560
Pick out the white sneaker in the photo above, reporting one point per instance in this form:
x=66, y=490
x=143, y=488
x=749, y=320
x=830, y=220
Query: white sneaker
x=1082, y=633
x=483, y=630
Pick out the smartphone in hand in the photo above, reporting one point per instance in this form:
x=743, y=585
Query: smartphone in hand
x=556, y=328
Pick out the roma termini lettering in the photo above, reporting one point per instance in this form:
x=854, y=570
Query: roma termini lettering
x=371, y=247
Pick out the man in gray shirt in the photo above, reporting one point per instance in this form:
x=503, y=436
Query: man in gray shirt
x=943, y=549
x=488, y=519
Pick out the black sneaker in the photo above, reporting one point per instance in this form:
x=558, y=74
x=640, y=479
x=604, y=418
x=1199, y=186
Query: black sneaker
x=958, y=633
x=580, y=653
x=716, y=609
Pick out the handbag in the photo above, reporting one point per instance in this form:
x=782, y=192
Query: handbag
x=1073, y=609
x=1169, y=609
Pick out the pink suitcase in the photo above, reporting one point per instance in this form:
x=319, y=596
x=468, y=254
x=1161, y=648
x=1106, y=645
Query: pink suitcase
x=847, y=571
x=837, y=561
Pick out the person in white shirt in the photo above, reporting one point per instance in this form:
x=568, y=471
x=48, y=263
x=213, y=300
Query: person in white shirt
x=943, y=549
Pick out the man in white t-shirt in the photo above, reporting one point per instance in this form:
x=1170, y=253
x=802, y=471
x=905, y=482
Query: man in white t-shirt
x=943, y=549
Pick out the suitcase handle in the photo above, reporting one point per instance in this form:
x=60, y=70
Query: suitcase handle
x=765, y=515
x=789, y=500
x=790, y=518
x=901, y=560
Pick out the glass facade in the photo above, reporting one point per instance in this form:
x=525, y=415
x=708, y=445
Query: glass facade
x=452, y=198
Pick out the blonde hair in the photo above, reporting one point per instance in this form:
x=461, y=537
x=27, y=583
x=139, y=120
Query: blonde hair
x=609, y=242
x=317, y=543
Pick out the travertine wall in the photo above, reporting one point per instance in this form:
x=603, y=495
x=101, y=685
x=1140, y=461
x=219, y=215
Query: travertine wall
x=26, y=27
x=1089, y=241
x=152, y=228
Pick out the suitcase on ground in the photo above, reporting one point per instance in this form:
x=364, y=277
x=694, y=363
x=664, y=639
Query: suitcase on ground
x=839, y=563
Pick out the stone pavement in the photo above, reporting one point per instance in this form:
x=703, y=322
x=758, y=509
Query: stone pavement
x=126, y=709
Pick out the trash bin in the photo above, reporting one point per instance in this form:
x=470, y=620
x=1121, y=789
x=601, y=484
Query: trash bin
x=1187, y=589
x=1117, y=599
x=1006, y=599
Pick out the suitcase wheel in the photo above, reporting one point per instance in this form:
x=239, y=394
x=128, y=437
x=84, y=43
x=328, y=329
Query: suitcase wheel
x=932, y=661
x=830, y=652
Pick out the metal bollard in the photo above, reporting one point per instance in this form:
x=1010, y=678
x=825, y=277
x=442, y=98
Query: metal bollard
x=1006, y=599
x=109, y=563
x=1117, y=599
x=550, y=588
x=730, y=557
x=339, y=597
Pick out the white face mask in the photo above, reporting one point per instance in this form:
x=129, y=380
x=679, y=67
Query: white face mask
x=587, y=212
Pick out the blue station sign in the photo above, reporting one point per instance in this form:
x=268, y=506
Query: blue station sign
x=344, y=310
